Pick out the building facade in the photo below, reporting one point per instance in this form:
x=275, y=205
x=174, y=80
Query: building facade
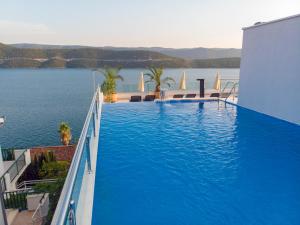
x=270, y=69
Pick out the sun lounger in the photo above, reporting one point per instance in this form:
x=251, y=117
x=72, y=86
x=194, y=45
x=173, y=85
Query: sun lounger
x=149, y=98
x=190, y=96
x=135, y=98
x=178, y=96
x=215, y=95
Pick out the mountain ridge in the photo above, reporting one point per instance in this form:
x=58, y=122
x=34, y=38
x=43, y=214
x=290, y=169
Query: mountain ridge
x=186, y=53
x=92, y=57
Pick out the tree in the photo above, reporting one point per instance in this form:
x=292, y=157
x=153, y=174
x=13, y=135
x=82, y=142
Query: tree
x=155, y=75
x=108, y=87
x=65, y=133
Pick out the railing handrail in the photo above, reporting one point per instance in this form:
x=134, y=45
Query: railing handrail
x=23, y=190
x=229, y=78
x=65, y=197
x=38, y=210
x=35, y=213
x=33, y=182
x=233, y=88
x=227, y=83
x=233, y=81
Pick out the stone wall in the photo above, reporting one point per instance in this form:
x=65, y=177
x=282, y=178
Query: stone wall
x=61, y=153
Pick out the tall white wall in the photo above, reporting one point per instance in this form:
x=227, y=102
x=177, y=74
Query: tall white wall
x=1, y=163
x=1, y=173
x=2, y=220
x=270, y=69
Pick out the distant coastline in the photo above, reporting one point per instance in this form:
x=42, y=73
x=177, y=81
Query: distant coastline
x=92, y=57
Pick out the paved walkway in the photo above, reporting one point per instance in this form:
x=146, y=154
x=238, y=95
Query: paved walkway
x=24, y=218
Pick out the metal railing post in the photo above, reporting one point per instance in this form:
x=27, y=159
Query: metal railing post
x=17, y=166
x=96, y=107
x=94, y=124
x=72, y=213
x=88, y=154
x=3, y=206
x=233, y=93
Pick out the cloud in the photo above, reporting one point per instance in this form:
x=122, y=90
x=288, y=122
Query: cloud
x=20, y=28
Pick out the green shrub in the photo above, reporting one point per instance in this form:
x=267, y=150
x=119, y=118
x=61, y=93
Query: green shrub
x=51, y=170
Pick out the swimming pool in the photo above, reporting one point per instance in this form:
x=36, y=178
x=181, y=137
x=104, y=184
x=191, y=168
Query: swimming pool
x=195, y=164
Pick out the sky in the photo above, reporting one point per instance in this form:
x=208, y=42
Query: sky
x=137, y=23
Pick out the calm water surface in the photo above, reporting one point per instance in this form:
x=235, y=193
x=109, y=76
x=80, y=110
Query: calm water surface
x=35, y=101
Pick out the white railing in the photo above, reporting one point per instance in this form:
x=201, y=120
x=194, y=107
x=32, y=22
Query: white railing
x=65, y=212
x=38, y=217
x=229, y=86
x=233, y=92
x=28, y=184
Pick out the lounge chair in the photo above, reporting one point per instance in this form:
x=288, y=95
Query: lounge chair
x=215, y=95
x=149, y=98
x=135, y=98
x=190, y=96
x=178, y=96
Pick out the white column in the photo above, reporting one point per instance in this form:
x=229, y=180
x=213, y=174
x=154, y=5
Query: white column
x=2, y=210
x=2, y=216
x=8, y=182
x=1, y=163
x=27, y=157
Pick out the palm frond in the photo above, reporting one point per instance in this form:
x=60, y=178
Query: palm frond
x=120, y=77
x=149, y=75
x=148, y=81
x=155, y=74
x=167, y=79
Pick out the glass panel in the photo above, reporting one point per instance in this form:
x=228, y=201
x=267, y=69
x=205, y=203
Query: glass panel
x=13, y=172
x=82, y=169
x=21, y=162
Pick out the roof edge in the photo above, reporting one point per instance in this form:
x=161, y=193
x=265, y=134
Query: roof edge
x=272, y=21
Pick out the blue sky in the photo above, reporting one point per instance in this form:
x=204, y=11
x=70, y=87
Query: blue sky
x=133, y=23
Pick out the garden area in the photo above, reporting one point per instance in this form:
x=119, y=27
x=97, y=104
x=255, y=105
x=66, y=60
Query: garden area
x=43, y=167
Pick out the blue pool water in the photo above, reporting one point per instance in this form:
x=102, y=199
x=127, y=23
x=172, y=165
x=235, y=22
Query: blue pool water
x=196, y=164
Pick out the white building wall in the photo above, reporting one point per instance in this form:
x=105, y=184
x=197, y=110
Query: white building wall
x=1, y=206
x=270, y=69
x=1, y=163
x=2, y=220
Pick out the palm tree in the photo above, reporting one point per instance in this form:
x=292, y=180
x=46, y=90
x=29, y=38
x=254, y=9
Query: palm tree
x=155, y=75
x=109, y=85
x=65, y=133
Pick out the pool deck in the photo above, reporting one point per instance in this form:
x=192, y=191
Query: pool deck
x=229, y=100
x=125, y=97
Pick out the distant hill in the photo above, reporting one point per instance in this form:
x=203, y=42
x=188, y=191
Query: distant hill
x=201, y=53
x=185, y=53
x=191, y=53
x=48, y=56
x=44, y=46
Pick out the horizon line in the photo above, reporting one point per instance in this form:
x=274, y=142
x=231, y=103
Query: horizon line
x=111, y=46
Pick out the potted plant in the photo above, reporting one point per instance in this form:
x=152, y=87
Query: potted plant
x=155, y=75
x=108, y=86
x=65, y=133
